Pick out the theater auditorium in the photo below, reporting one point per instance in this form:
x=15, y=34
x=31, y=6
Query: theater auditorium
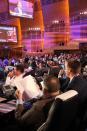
x=43, y=65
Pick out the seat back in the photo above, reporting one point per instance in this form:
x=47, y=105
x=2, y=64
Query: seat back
x=62, y=113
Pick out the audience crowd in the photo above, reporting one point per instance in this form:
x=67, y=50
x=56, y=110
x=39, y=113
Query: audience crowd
x=38, y=80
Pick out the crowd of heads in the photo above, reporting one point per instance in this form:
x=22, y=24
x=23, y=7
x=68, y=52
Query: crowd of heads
x=43, y=63
x=44, y=77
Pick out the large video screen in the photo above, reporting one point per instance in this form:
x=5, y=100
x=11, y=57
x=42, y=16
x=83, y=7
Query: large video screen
x=8, y=34
x=21, y=8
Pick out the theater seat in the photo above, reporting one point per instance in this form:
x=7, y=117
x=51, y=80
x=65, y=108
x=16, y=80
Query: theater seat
x=62, y=114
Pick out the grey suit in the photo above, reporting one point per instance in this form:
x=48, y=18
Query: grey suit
x=35, y=116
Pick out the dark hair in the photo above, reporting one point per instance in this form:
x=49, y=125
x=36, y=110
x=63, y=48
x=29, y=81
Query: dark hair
x=20, y=68
x=74, y=65
x=52, y=84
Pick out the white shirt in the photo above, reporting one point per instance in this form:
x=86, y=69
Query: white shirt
x=31, y=88
x=10, y=81
x=26, y=86
x=15, y=82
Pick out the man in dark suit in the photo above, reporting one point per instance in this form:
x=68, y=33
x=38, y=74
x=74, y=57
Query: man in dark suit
x=77, y=82
x=38, y=113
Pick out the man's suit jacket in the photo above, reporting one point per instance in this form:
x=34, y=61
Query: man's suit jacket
x=79, y=84
x=36, y=115
x=64, y=83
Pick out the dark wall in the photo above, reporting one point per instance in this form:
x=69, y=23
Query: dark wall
x=77, y=5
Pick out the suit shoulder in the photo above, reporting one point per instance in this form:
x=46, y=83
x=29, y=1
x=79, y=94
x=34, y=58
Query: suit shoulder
x=41, y=103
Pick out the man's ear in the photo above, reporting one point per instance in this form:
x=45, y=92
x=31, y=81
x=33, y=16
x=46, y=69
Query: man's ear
x=69, y=70
x=79, y=70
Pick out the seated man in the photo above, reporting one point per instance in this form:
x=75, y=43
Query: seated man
x=39, y=110
x=31, y=89
x=26, y=85
x=77, y=82
x=10, y=78
x=15, y=77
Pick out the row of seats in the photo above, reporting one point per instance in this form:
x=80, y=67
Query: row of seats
x=63, y=115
